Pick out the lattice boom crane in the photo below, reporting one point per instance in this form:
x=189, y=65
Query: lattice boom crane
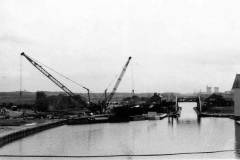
x=48, y=75
x=109, y=98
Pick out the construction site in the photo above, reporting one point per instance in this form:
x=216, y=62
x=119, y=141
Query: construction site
x=119, y=79
x=81, y=108
x=23, y=107
x=26, y=113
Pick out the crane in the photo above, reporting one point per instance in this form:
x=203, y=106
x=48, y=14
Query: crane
x=88, y=94
x=109, y=98
x=53, y=79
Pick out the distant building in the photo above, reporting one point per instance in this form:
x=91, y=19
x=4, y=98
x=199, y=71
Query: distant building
x=228, y=92
x=216, y=89
x=236, y=95
x=209, y=90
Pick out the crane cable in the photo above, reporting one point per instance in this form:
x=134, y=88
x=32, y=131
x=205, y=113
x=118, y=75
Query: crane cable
x=60, y=74
x=111, y=82
x=20, y=79
x=132, y=79
x=103, y=96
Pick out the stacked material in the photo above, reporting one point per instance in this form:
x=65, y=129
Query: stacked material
x=155, y=116
x=138, y=118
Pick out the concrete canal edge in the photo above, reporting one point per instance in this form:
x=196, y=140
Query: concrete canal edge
x=28, y=131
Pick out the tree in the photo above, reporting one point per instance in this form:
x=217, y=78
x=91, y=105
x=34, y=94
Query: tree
x=156, y=98
x=41, y=101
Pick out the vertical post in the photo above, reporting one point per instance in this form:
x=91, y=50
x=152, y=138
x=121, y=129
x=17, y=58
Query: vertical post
x=105, y=94
x=176, y=104
x=20, y=81
x=200, y=104
x=133, y=93
x=89, y=99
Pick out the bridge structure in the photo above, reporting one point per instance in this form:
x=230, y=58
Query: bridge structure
x=196, y=99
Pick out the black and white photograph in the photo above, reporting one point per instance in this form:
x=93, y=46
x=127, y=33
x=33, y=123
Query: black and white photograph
x=119, y=79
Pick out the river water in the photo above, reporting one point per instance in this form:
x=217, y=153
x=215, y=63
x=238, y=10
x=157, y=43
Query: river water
x=184, y=135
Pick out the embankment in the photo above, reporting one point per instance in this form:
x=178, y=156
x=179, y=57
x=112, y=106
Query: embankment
x=21, y=133
x=208, y=114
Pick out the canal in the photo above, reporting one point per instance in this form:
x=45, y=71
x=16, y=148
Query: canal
x=186, y=134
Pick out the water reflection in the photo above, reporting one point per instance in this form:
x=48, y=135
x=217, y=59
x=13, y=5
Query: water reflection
x=187, y=133
x=188, y=116
x=187, y=122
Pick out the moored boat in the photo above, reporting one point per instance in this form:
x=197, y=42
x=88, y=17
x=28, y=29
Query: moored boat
x=78, y=120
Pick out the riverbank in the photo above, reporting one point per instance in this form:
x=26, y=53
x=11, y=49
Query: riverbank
x=125, y=138
x=110, y=118
x=12, y=133
x=208, y=114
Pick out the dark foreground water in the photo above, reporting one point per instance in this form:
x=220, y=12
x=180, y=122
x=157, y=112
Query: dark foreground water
x=187, y=134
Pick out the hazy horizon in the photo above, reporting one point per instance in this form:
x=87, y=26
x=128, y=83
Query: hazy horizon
x=177, y=46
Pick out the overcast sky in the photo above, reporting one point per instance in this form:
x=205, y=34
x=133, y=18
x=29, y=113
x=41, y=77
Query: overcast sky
x=176, y=45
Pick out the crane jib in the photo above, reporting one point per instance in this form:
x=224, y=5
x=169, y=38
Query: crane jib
x=49, y=76
x=108, y=99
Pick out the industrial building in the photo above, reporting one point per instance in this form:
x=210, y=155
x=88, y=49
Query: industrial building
x=236, y=95
x=209, y=90
x=216, y=89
